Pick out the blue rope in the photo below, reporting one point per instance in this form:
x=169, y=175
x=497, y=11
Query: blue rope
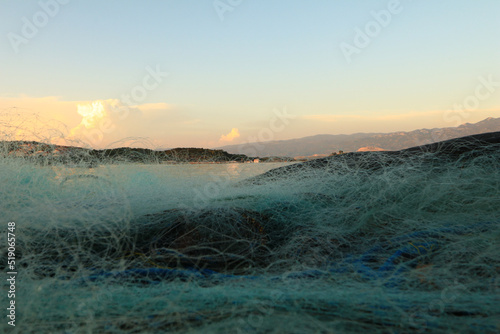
x=390, y=270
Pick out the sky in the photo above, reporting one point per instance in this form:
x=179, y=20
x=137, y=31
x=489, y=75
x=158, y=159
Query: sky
x=208, y=73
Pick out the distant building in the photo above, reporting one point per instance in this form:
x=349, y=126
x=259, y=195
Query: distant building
x=256, y=161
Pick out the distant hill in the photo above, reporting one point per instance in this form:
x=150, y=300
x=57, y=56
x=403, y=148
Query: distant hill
x=449, y=151
x=327, y=144
x=48, y=154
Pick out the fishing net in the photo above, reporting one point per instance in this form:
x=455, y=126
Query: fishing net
x=382, y=242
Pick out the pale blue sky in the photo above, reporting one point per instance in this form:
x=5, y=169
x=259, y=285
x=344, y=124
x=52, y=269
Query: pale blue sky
x=232, y=73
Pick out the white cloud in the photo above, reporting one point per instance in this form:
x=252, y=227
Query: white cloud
x=105, y=121
x=100, y=123
x=230, y=136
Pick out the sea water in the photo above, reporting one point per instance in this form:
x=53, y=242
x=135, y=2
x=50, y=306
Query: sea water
x=150, y=188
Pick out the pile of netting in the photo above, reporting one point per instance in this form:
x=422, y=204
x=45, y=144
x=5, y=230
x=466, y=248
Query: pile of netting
x=370, y=242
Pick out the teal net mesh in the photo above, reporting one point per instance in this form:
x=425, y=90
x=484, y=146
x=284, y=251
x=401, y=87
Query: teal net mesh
x=374, y=242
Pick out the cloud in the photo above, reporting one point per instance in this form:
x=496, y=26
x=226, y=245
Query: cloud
x=91, y=113
x=230, y=136
x=100, y=123
x=110, y=123
x=105, y=121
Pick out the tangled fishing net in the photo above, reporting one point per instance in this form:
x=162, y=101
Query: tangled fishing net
x=378, y=242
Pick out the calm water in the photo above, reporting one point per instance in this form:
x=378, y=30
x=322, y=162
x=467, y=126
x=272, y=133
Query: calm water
x=151, y=188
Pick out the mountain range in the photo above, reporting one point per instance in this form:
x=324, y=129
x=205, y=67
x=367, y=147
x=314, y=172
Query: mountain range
x=324, y=144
